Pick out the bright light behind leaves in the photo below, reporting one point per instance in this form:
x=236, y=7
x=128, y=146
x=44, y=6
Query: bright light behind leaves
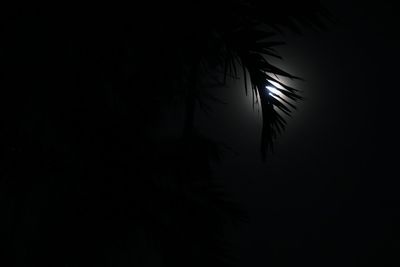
x=274, y=89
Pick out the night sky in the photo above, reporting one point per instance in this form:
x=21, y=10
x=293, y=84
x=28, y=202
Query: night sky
x=326, y=196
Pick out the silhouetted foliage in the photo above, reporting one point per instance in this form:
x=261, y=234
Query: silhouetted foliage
x=87, y=176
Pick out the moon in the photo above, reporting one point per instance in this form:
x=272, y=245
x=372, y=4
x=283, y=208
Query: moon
x=273, y=89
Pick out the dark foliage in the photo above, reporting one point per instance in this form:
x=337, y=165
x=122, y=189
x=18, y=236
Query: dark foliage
x=85, y=178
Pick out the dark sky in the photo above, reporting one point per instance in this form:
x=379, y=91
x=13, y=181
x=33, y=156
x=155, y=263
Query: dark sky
x=328, y=195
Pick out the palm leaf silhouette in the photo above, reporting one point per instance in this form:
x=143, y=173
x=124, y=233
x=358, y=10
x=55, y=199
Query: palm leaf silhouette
x=99, y=80
x=244, y=39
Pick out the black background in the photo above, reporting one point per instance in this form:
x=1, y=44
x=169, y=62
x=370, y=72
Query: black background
x=327, y=196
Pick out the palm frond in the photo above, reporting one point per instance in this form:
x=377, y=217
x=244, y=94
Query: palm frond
x=253, y=42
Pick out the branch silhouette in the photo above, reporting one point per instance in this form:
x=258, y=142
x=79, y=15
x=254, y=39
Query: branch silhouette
x=87, y=177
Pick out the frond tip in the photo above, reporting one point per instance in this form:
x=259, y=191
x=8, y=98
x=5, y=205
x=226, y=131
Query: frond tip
x=277, y=99
x=251, y=49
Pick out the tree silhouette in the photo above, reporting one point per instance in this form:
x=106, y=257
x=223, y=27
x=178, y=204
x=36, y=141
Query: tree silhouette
x=86, y=179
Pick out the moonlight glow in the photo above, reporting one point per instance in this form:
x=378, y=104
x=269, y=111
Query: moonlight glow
x=273, y=89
